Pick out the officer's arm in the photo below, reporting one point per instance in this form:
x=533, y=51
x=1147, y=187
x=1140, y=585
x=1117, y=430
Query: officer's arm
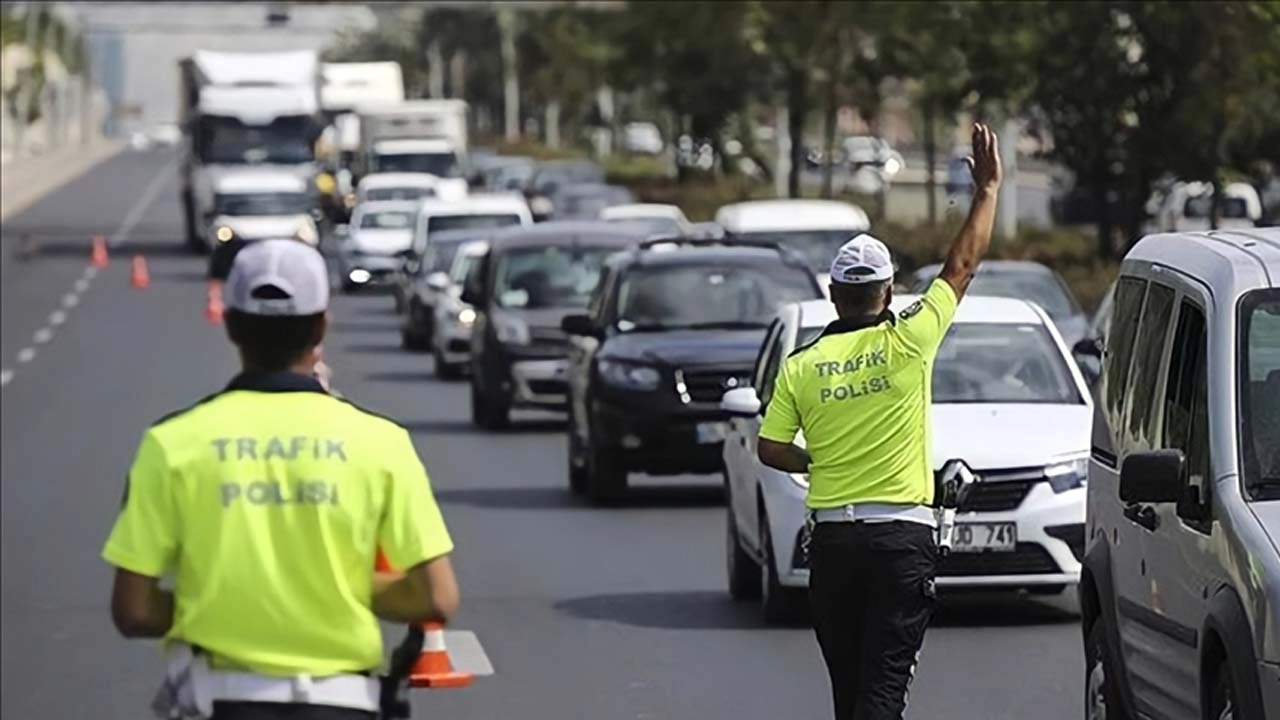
x=787, y=457
x=139, y=607
x=974, y=239
x=775, y=446
x=428, y=591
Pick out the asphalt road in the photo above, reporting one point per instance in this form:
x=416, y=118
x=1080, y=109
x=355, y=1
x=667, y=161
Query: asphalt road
x=585, y=613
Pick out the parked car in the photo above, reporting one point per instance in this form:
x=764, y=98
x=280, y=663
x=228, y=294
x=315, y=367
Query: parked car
x=430, y=284
x=529, y=279
x=1025, y=280
x=1180, y=591
x=1185, y=207
x=1007, y=402
x=550, y=177
x=377, y=240
x=451, y=331
x=673, y=326
x=661, y=219
x=815, y=228
x=585, y=201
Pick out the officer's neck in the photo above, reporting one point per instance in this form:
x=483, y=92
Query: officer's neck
x=306, y=367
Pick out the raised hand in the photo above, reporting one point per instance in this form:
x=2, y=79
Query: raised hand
x=984, y=163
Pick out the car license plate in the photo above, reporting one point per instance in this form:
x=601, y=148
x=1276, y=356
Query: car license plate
x=984, y=537
x=711, y=432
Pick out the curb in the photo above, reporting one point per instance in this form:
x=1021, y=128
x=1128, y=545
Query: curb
x=46, y=173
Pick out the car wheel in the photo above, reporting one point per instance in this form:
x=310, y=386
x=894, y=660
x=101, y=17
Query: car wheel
x=1101, y=693
x=606, y=475
x=488, y=412
x=577, y=465
x=1222, y=704
x=781, y=604
x=743, y=572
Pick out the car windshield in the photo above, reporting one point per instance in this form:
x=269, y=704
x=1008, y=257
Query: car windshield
x=438, y=223
x=444, y=165
x=651, y=225
x=1042, y=288
x=398, y=193
x=1260, y=393
x=817, y=246
x=552, y=276
x=229, y=142
x=387, y=220
x=589, y=204
x=250, y=204
x=1002, y=363
x=442, y=253
x=1229, y=207
x=462, y=265
x=708, y=295
x=561, y=176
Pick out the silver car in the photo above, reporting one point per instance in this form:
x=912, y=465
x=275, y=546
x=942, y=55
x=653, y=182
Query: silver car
x=451, y=331
x=1180, y=591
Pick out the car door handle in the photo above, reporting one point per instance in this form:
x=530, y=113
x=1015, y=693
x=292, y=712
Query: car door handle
x=1143, y=515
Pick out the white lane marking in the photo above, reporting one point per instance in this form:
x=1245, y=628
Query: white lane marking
x=144, y=201
x=70, y=300
x=26, y=354
x=82, y=284
x=90, y=272
x=43, y=335
x=57, y=317
x=466, y=653
x=5, y=376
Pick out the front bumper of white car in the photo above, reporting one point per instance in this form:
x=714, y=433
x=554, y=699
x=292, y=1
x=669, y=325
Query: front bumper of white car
x=1049, y=525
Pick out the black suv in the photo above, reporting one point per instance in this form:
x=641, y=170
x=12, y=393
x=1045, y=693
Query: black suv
x=672, y=326
x=530, y=278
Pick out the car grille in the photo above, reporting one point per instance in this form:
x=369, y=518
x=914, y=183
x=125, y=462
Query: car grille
x=708, y=386
x=996, y=495
x=458, y=346
x=548, y=387
x=548, y=339
x=1026, y=559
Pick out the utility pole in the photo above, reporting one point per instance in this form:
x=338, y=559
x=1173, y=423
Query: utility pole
x=435, y=69
x=510, y=73
x=1007, y=201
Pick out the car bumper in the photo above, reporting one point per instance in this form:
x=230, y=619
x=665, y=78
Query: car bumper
x=367, y=269
x=661, y=443
x=453, y=340
x=1047, y=525
x=540, y=383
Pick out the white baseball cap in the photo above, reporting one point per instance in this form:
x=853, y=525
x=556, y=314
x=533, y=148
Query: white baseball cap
x=863, y=259
x=295, y=272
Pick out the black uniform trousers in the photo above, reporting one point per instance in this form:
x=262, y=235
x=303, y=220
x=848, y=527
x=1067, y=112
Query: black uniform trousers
x=285, y=711
x=871, y=596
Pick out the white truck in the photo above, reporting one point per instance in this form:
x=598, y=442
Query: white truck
x=242, y=109
x=425, y=136
x=347, y=90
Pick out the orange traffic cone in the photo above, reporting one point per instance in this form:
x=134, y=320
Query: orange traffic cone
x=433, y=668
x=213, y=309
x=99, y=256
x=140, y=278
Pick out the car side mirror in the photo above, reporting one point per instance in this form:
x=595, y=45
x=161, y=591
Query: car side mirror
x=1158, y=476
x=579, y=324
x=741, y=402
x=438, y=281
x=1088, y=347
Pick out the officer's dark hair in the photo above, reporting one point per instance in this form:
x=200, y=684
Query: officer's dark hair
x=273, y=342
x=859, y=299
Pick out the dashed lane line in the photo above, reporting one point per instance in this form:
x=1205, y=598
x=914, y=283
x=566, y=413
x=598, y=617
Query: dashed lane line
x=26, y=354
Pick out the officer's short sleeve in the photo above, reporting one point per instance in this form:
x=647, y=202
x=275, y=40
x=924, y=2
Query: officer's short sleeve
x=781, y=418
x=412, y=530
x=922, y=325
x=145, y=537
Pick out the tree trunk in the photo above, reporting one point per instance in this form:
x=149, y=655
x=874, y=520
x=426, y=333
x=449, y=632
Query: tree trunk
x=797, y=109
x=829, y=126
x=435, y=69
x=930, y=158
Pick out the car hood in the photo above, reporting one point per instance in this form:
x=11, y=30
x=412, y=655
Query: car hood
x=993, y=436
x=680, y=348
x=544, y=319
x=381, y=241
x=263, y=226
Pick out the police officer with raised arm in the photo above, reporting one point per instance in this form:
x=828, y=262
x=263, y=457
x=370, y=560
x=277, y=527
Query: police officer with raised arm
x=860, y=394
x=267, y=503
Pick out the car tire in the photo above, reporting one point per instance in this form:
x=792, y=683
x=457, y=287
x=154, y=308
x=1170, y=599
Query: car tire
x=606, y=475
x=742, y=570
x=1223, y=704
x=1101, y=690
x=781, y=604
x=488, y=413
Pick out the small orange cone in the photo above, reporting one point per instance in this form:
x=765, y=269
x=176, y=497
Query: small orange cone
x=140, y=278
x=433, y=668
x=213, y=309
x=99, y=256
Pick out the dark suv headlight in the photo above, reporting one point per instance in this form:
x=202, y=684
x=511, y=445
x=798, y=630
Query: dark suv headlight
x=631, y=376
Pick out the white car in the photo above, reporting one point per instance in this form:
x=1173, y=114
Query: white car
x=814, y=228
x=1185, y=207
x=1007, y=401
x=407, y=186
x=377, y=240
x=642, y=137
x=664, y=219
x=451, y=331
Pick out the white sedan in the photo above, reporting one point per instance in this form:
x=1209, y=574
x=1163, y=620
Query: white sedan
x=1008, y=401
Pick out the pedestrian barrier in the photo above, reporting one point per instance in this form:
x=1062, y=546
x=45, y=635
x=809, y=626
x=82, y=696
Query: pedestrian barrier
x=213, y=308
x=433, y=668
x=140, y=278
x=98, y=258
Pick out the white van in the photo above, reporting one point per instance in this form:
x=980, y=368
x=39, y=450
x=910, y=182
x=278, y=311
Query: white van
x=814, y=228
x=1180, y=586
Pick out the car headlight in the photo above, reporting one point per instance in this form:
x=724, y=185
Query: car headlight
x=307, y=234
x=629, y=375
x=892, y=166
x=541, y=206
x=511, y=331
x=466, y=316
x=1068, y=475
x=224, y=233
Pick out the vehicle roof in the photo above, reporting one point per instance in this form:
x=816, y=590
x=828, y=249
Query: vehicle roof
x=642, y=210
x=258, y=181
x=409, y=145
x=766, y=215
x=372, y=206
x=992, y=266
x=675, y=254
x=398, y=179
x=1231, y=262
x=555, y=232
x=974, y=309
x=475, y=204
x=460, y=235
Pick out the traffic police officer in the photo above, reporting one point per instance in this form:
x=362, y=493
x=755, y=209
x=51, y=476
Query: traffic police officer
x=267, y=503
x=860, y=393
